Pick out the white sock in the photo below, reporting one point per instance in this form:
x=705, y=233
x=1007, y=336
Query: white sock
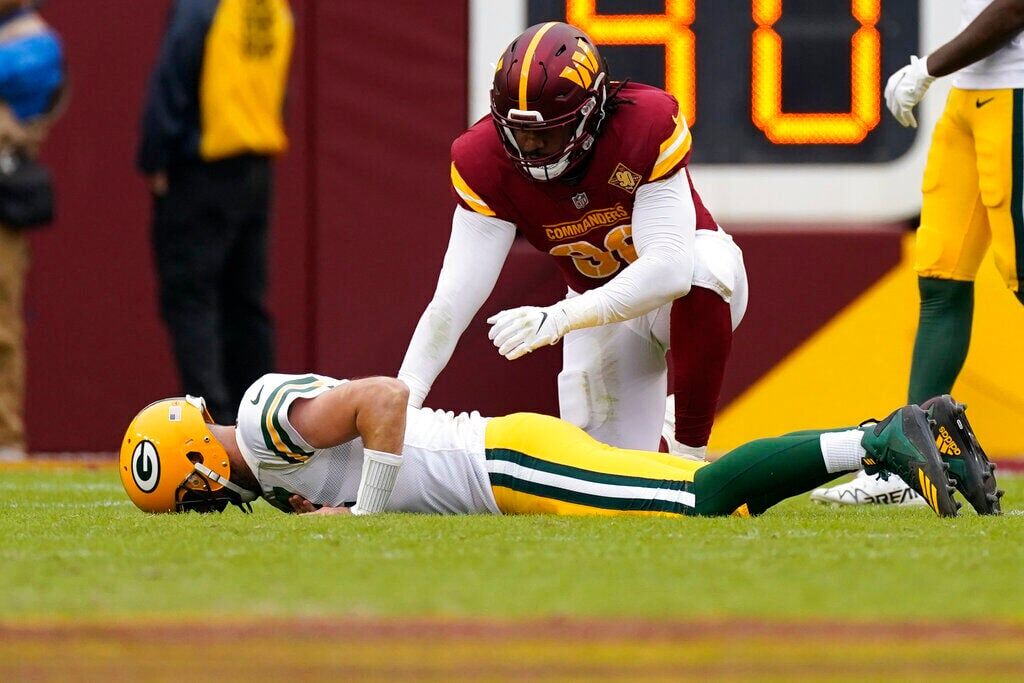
x=842, y=451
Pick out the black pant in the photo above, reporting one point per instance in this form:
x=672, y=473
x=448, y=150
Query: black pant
x=210, y=242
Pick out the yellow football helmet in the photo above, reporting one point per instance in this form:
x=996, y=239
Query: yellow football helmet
x=171, y=462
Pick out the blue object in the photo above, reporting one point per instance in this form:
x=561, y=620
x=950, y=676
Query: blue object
x=31, y=70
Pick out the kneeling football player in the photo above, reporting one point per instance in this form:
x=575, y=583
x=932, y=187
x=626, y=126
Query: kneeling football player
x=314, y=444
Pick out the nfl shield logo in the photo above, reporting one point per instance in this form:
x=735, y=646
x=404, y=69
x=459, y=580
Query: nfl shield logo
x=580, y=200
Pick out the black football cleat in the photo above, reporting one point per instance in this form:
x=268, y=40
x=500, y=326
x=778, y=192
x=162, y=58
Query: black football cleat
x=903, y=445
x=956, y=442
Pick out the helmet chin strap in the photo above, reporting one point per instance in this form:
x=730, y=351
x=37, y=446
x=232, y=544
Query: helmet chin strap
x=245, y=495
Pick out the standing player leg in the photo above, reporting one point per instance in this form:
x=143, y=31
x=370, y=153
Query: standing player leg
x=613, y=383
x=248, y=332
x=951, y=243
x=1000, y=149
x=190, y=243
x=14, y=260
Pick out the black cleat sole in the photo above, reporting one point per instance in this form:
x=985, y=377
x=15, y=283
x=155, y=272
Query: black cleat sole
x=976, y=481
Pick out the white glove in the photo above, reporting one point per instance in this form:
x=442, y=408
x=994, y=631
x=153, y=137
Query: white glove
x=906, y=88
x=518, y=331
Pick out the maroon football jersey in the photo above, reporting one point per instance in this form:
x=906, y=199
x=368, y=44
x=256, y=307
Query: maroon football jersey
x=587, y=225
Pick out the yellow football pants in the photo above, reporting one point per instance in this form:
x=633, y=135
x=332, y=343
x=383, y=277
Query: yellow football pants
x=973, y=188
x=542, y=465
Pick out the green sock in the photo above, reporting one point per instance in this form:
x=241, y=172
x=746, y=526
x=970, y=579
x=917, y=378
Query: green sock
x=761, y=473
x=943, y=336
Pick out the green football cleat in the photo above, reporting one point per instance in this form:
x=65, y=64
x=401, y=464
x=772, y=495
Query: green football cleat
x=902, y=444
x=969, y=467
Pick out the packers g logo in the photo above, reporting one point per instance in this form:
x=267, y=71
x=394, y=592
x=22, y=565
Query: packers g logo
x=145, y=466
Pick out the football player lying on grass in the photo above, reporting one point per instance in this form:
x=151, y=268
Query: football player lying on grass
x=317, y=445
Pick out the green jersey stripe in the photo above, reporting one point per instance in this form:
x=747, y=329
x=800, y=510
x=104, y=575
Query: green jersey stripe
x=590, y=500
x=270, y=418
x=282, y=432
x=531, y=462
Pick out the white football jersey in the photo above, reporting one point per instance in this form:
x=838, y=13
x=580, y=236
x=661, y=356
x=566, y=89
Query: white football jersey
x=442, y=470
x=1004, y=68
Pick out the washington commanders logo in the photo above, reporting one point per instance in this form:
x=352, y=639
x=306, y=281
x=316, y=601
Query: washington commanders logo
x=624, y=179
x=584, y=66
x=598, y=218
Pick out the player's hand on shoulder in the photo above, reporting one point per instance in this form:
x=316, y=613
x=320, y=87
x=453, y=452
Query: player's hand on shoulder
x=301, y=506
x=906, y=88
x=518, y=331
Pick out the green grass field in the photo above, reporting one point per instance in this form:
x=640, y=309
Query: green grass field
x=74, y=547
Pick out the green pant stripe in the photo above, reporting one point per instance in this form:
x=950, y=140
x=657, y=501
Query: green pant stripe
x=579, y=498
x=533, y=463
x=1017, y=191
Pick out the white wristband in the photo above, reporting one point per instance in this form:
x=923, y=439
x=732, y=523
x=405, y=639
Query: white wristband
x=380, y=470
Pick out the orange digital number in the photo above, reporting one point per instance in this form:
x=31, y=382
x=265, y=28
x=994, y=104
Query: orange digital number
x=816, y=128
x=671, y=29
x=594, y=263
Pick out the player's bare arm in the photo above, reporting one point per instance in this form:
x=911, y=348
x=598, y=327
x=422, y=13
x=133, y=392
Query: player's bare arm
x=476, y=254
x=997, y=24
x=372, y=408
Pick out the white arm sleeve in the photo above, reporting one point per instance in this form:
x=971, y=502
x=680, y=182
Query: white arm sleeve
x=664, y=227
x=476, y=252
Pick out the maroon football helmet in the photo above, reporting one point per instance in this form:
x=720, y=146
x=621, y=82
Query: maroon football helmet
x=551, y=78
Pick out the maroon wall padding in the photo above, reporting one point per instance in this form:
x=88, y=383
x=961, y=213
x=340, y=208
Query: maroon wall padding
x=799, y=279
x=478, y=378
x=97, y=351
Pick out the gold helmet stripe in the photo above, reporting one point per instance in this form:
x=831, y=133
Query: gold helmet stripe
x=524, y=72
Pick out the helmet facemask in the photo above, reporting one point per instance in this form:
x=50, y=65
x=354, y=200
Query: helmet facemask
x=196, y=492
x=581, y=125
